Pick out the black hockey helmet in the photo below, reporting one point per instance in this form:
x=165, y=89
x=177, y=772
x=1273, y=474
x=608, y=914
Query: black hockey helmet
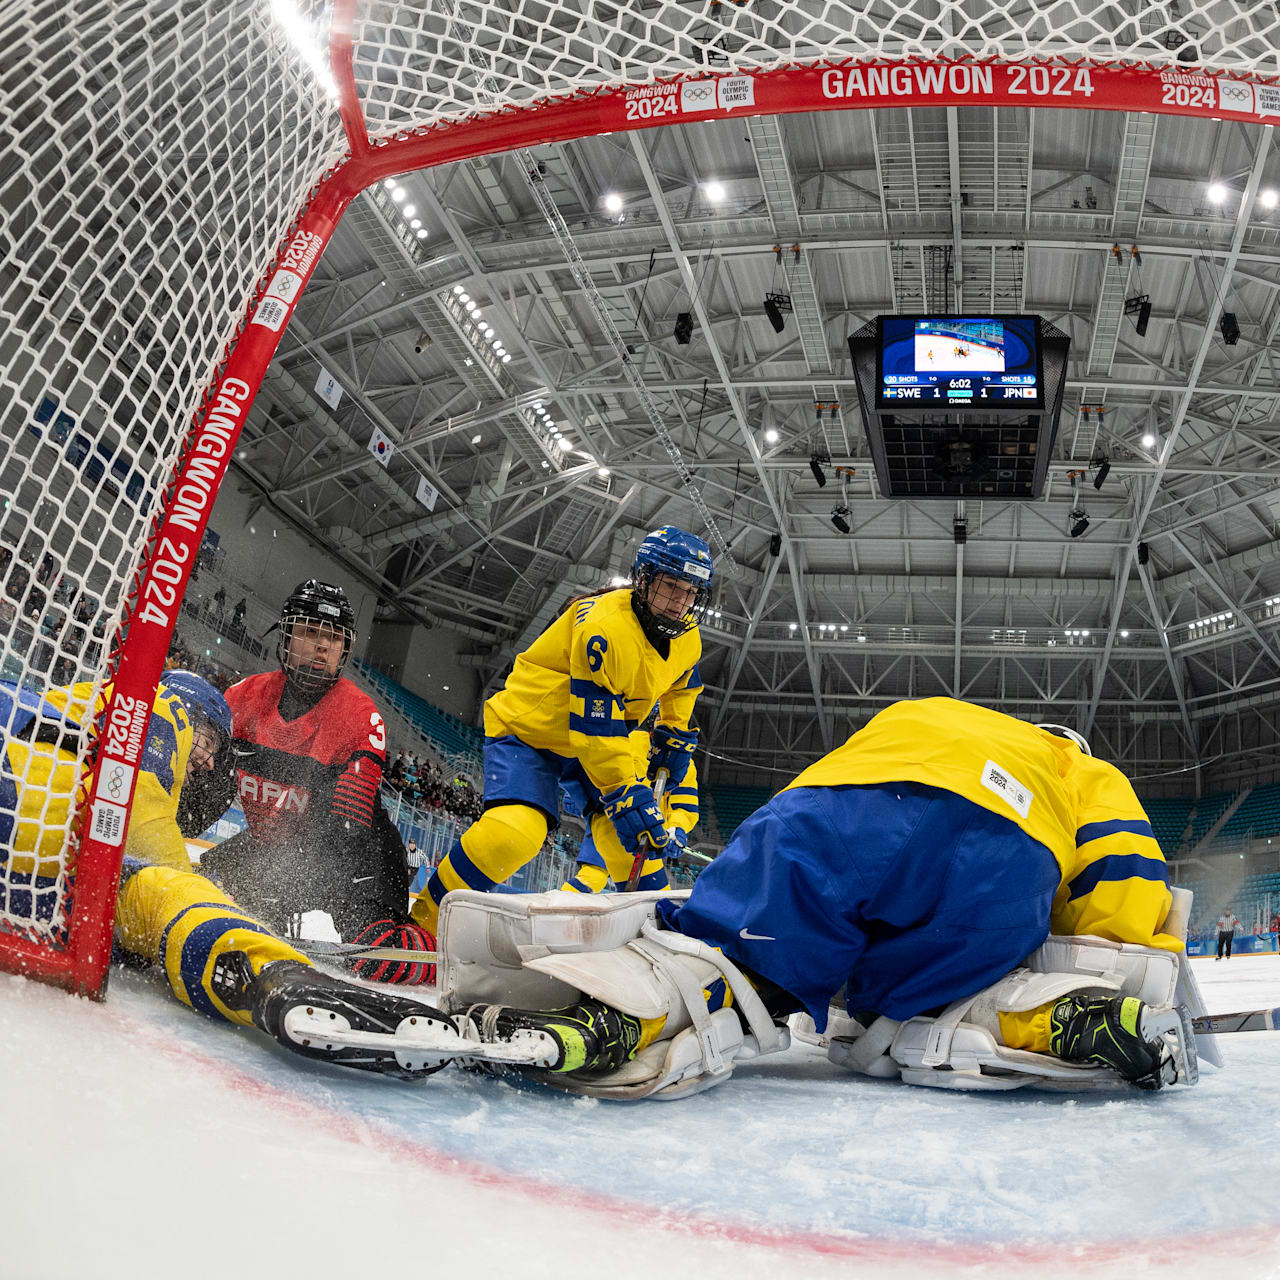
x=317, y=604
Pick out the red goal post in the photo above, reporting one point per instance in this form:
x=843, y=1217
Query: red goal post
x=175, y=174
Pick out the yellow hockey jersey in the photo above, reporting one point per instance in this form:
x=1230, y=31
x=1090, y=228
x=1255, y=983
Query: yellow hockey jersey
x=584, y=686
x=1114, y=878
x=46, y=776
x=680, y=803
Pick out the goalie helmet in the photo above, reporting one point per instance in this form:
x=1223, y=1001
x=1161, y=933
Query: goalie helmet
x=200, y=700
x=1062, y=731
x=677, y=554
x=323, y=606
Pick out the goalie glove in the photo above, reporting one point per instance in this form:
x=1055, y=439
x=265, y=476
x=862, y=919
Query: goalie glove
x=672, y=750
x=636, y=817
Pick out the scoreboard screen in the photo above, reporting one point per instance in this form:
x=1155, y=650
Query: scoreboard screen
x=959, y=362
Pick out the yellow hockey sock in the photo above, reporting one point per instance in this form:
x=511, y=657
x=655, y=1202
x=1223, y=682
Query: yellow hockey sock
x=1029, y=1030
x=586, y=879
x=185, y=923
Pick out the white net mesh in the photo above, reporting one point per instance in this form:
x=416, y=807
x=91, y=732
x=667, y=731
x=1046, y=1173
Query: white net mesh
x=156, y=154
x=418, y=65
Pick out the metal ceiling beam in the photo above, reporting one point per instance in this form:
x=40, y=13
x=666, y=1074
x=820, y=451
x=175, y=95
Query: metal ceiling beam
x=1261, y=154
x=739, y=413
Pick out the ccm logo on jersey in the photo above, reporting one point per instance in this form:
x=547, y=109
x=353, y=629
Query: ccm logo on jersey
x=279, y=797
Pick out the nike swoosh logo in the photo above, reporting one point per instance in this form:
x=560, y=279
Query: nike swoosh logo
x=755, y=937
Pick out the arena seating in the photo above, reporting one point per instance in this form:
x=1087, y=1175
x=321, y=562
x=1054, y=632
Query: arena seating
x=1208, y=809
x=733, y=805
x=452, y=736
x=1258, y=815
x=1168, y=821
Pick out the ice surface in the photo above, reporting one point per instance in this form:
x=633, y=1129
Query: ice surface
x=142, y=1140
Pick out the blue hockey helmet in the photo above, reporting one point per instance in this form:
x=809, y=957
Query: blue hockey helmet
x=679, y=555
x=200, y=700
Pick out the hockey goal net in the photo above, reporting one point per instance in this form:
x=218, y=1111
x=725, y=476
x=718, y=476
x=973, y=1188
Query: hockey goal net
x=171, y=175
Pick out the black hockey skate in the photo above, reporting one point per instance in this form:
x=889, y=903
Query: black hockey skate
x=591, y=1037
x=1119, y=1032
x=319, y=1016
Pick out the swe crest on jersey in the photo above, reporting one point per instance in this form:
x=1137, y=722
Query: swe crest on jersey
x=275, y=795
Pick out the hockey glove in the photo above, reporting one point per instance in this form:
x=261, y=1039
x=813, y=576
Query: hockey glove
x=672, y=750
x=386, y=934
x=636, y=817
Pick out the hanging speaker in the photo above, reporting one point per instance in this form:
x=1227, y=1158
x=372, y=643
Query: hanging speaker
x=774, y=312
x=684, y=328
x=775, y=545
x=1144, y=315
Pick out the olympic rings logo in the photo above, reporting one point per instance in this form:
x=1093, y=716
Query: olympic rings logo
x=1234, y=93
x=115, y=783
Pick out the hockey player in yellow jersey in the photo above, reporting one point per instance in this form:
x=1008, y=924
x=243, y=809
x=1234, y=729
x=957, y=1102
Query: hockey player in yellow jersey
x=679, y=805
x=570, y=713
x=217, y=959
x=987, y=895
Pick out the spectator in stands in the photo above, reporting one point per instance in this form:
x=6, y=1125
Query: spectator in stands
x=1228, y=923
x=220, y=602
x=237, y=614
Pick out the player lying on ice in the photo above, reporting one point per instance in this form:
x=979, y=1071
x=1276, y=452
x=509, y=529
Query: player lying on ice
x=921, y=867
x=917, y=866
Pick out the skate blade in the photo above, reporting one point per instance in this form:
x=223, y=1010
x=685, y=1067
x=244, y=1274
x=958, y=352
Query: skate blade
x=1172, y=1025
x=423, y=1041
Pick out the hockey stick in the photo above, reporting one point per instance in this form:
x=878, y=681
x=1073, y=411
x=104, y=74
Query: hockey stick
x=319, y=950
x=1216, y=1024
x=637, y=866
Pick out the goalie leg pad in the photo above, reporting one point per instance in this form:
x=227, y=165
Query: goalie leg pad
x=544, y=951
x=959, y=1048
x=485, y=940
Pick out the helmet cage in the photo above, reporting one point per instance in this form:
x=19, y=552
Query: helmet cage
x=310, y=678
x=657, y=623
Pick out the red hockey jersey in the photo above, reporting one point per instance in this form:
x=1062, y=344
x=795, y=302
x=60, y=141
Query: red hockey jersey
x=298, y=776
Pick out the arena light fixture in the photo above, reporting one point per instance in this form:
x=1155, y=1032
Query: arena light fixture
x=398, y=194
x=409, y=210
x=1217, y=193
x=714, y=191
x=613, y=202
x=1268, y=198
x=1148, y=439
x=602, y=472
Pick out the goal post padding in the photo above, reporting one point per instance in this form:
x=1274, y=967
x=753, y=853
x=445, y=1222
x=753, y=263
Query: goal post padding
x=174, y=176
